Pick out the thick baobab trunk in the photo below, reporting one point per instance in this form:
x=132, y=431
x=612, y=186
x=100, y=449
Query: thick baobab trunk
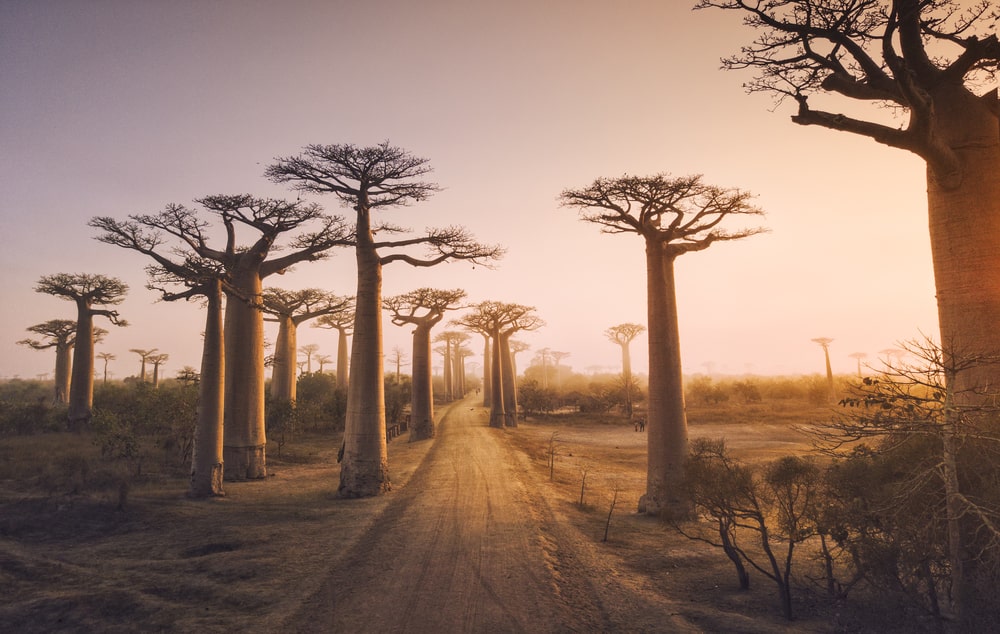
x=422, y=395
x=627, y=377
x=81, y=389
x=206, y=461
x=364, y=470
x=509, y=381
x=498, y=415
x=64, y=359
x=283, y=370
x=342, y=358
x=667, y=435
x=245, y=439
x=487, y=373
x=965, y=231
x=448, y=377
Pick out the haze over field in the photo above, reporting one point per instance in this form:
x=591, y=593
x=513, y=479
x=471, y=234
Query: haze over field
x=115, y=108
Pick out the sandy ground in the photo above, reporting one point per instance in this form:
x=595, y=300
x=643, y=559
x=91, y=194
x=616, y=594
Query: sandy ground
x=474, y=537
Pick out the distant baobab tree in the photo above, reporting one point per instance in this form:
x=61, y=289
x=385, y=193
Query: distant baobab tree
x=859, y=356
x=452, y=340
x=268, y=220
x=543, y=356
x=397, y=359
x=290, y=309
x=824, y=343
x=423, y=309
x=322, y=360
x=157, y=360
x=674, y=216
x=517, y=347
x=557, y=358
x=105, y=357
x=368, y=179
x=341, y=322
x=622, y=335
x=144, y=356
x=61, y=335
x=928, y=60
x=309, y=350
x=487, y=358
x=87, y=291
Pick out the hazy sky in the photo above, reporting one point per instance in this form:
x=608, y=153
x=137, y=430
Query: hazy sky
x=113, y=108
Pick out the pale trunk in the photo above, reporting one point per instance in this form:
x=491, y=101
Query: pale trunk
x=64, y=359
x=422, y=395
x=666, y=429
x=497, y=413
x=283, y=371
x=81, y=388
x=448, y=391
x=156, y=375
x=206, y=460
x=364, y=470
x=627, y=376
x=509, y=382
x=487, y=373
x=245, y=437
x=829, y=374
x=142, y=370
x=342, y=358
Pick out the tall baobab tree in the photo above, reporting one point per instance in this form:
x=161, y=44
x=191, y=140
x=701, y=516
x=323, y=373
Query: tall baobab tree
x=157, y=360
x=341, y=322
x=105, y=357
x=859, y=356
x=927, y=60
x=322, y=360
x=423, y=309
x=309, y=350
x=516, y=321
x=452, y=340
x=622, y=335
x=144, y=356
x=674, y=216
x=197, y=278
x=368, y=179
x=474, y=326
x=290, y=309
x=88, y=292
x=267, y=221
x=397, y=359
x=543, y=357
x=61, y=335
x=557, y=358
x=824, y=342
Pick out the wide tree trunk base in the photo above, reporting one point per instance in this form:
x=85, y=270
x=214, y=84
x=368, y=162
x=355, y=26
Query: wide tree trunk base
x=208, y=484
x=244, y=463
x=423, y=431
x=665, y=506
x=363, y=479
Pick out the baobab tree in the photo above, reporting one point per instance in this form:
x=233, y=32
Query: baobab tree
x=397, y=359
x=290, y=309
x=423, y=309
x=144, y=356
x=267, y=220
x=451, y=340
x=824, y=342
x=926, y=60
x=622, y=335
x=674, y=216
x=88, y=292
x=557, y=358
x=473, y=326
x=859, y=356
x=105, y=357
x=157, y=360
x=197, y=278
x=309, y=350
x=368, y=179
x=341, y=322
x=61, y=335
x=322, y=360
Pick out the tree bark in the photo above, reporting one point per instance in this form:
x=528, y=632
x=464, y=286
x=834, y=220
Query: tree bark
x=422, y=398
x=206, y=462
x=487, y=372
x=509, y=381
x=627, y=376
x=498, y=415
x=342, y=352
x=364, y=470
x=283, y=370
x=667, y=435
x=245, y=440
x=64, y=360
x=81, y=390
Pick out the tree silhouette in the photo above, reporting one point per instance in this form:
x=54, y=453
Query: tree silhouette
x=106, y=356
x=61, y=335
x=322, y=360
x=859, y=356
x=268, y=220
x=824, y=343
x=674, y=216
x=423, y=308
x=87, y=291
x=622, y=335
x=290, y=309
x=926, y=60
x=144, y=356
x=157, y=360
x=369, y=179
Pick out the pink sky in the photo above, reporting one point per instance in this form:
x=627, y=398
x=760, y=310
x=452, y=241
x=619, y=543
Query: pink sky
x=112, y=108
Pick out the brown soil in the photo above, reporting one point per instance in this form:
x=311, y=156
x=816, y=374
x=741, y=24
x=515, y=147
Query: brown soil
x=474, y=537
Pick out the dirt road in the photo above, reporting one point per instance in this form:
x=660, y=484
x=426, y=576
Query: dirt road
x=467, y=547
